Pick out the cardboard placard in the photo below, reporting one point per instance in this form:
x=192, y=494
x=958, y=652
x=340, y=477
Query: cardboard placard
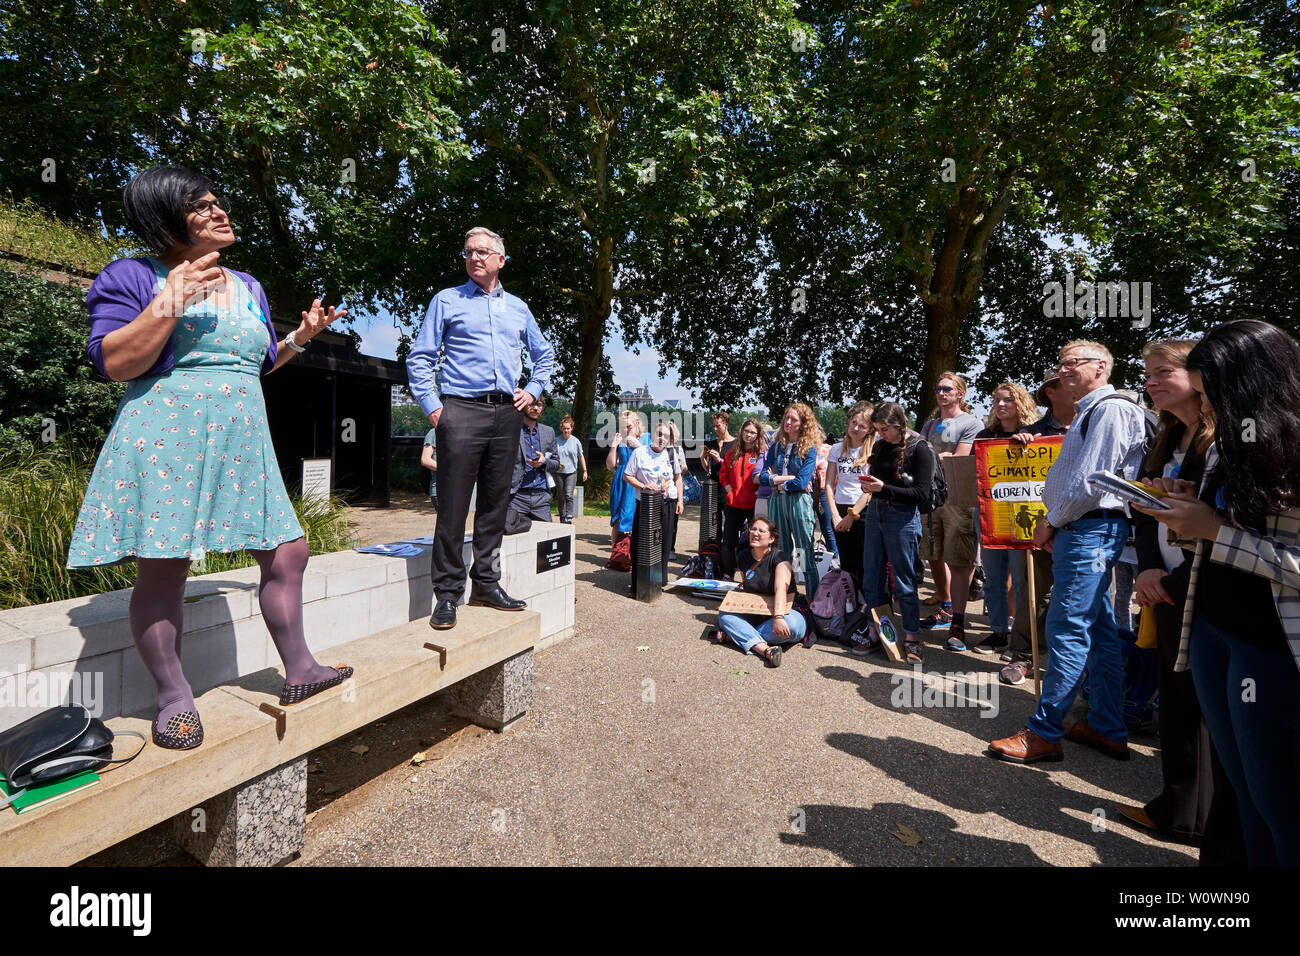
x=963, y=490
x=1010, y=478
x=747, y=602
x=888, y=631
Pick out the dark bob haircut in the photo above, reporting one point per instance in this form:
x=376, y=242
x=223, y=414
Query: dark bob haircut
x=154, y=204
x=1250, y=371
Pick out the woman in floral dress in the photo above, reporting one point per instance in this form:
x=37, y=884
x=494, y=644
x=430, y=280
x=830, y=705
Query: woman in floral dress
x=188, y=466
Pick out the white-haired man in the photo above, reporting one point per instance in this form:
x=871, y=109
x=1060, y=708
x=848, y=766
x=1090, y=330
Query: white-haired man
x=475, y=332
x=1085, y=530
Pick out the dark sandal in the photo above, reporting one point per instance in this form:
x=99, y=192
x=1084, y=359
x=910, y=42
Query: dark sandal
x=772, y=655
x=296, y=693
x=913, y=649
x=171, y=738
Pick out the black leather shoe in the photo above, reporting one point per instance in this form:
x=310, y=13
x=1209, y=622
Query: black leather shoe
x=444, y=616
x=495, y=597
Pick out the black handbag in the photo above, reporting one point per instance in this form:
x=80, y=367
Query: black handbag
x=55, y=744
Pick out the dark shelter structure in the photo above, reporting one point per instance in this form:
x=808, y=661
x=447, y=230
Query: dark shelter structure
x=333, y=402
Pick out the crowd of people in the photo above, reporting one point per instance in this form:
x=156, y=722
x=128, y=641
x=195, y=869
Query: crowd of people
x=1217, y=569
x=188, y=468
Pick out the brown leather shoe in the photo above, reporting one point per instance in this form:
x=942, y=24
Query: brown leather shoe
x=1025, y=746
x=1082, y=733
x=1139, y=817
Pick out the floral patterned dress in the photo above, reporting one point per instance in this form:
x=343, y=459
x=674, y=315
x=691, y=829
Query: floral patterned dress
x=188, y=465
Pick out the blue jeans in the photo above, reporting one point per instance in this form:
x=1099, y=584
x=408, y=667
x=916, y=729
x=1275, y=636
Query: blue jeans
x=1081, y=631
x=1257, y=739
x=742, y=631
x=997, y=563
x=893, y=532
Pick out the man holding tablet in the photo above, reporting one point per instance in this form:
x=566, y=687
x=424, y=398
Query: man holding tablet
x=1084, y=529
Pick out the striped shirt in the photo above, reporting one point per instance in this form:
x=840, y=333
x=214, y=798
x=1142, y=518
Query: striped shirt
x=1116, y=437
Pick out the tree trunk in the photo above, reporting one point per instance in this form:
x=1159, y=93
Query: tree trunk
x=943, y=322
x=591, y=340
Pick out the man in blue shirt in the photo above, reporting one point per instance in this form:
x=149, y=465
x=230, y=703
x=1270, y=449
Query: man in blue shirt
x=1084, y=529
x=473, y=335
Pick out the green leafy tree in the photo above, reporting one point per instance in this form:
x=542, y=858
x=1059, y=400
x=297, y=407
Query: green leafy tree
x=607, y=139
x=312, y=115
x=938, y=142
x=48, y=390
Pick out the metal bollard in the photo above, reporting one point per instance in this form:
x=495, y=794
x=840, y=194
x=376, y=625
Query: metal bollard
x=649, y=570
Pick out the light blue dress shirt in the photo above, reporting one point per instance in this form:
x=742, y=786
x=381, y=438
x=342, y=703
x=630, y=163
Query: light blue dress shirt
x=1115, y=439
x=477, y=337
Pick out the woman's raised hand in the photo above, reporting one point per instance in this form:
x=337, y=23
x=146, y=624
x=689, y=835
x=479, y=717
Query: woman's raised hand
x=189, y=282
x=315, y=320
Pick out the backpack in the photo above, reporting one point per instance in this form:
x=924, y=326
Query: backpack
x=1148, y=422
x=856, y=627
x=706, y=564
x=939, y=484
x=620, y=559
x=690, y=489
x=833, y=602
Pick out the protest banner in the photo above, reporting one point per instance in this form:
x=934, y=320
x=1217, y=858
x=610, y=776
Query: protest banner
x=1010, y=477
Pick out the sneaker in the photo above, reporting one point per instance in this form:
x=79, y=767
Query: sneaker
x=863, y=648
x=956, y=637
x=994, y=643
x=939, y=618
x=1014, y=673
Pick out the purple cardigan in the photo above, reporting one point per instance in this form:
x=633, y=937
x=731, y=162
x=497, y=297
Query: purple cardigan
x=125, y=288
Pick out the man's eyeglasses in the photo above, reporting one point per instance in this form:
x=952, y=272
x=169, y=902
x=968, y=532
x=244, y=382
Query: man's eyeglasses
x=1068, y=364
x=203, y=207
x=478, y=253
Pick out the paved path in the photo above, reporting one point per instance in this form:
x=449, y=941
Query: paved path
x=647, y=744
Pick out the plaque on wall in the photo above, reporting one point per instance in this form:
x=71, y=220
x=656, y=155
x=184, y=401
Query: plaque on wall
x=553, y=553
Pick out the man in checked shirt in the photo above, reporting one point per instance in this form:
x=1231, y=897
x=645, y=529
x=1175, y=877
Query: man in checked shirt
x=1085, y=530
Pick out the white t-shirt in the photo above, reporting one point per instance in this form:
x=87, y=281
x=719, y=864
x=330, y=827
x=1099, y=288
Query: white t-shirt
x=651, y=467
x=847, y=487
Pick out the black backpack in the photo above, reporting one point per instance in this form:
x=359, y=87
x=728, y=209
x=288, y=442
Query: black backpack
x=939, y=484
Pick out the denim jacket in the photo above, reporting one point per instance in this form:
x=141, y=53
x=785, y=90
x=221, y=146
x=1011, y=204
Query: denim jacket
x=784, y=459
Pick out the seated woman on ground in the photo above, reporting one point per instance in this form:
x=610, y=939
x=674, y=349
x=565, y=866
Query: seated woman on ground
x=765, y=570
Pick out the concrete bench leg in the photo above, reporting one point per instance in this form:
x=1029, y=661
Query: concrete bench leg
x=259, y=823
x=495, y=697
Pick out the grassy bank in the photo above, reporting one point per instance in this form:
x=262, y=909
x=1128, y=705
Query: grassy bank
x=40, y=496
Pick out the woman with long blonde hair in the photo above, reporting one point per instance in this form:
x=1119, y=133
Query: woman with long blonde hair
x=1011, y=412
x=788, y=470
x=847, y=462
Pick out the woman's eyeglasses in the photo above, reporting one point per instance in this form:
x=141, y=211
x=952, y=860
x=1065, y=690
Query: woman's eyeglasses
x=943, y=389
x=203, y=207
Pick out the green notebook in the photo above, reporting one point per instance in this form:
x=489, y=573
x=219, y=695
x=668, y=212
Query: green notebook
x=41, y=794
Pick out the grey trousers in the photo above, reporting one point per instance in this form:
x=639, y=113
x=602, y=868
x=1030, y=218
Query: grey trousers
x=534, y=502
x=564, y=491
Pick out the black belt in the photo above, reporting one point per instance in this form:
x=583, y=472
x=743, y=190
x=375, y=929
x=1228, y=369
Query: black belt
x=1102, y=513
x=491, y=398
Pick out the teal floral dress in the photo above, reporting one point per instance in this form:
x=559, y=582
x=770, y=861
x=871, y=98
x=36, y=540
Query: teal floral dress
x=188, y=465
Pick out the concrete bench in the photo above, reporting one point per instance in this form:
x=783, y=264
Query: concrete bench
x=240, y=799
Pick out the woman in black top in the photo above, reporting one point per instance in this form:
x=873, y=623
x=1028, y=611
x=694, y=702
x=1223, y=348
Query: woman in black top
x=899, y=479
x=1241, y=635
x=1183, y=448
x=765, y=569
